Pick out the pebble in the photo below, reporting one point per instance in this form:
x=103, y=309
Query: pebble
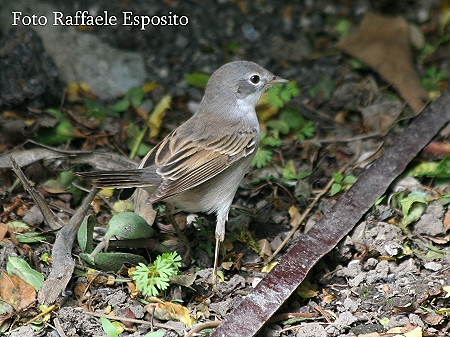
x=311, y=330
x=433, y=266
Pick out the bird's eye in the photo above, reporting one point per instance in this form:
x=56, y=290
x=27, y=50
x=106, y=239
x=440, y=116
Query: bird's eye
x=255, y=79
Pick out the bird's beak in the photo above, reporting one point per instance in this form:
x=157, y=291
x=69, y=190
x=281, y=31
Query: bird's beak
x=276, y=80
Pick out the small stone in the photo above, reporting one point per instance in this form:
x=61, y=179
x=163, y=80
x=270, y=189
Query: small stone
x=351, y=305
x=433, y=266
x=311, y=330
x=341, y=323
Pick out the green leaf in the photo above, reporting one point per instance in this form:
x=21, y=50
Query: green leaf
x=19, y=267
x=121, y=106
x=112, y=261
x=271, y=141
x=343, y=27
x=380, y=200
x=350, y=179
x=96, y=109
x=198, y=80
x=108, y=327
x=289, y=171
x=413, y=206
x=280, y=94
x=290, y=90
x=135, y=96
x=24, y=232
x=274, y=98
x=293, y=118
x=30, y=237
x=335, y=189
x=60, y=134
x=439, y=169
x=85, y=234
x=433, y=77
x=152, y=279
x=338, y=177
x=307, y=131
x=133, y=133
x=262, y=157
x=384, y=321
x=307, y=290
x=129, y=225
x=279, y=125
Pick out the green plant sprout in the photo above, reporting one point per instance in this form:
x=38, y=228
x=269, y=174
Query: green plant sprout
x=433, y=76
x=281, y=94
x=152, y=279
x=133, y=98
x=341, y=183
x=290, y=122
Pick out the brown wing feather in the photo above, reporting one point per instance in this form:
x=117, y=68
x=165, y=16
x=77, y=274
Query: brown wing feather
x=183, y=164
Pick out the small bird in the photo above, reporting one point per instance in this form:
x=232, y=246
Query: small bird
x=199, y=165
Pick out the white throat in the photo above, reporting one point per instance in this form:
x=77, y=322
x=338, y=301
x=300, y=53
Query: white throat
x=249, y=103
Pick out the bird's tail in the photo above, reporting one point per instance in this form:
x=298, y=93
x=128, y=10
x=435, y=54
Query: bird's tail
x=122, y=179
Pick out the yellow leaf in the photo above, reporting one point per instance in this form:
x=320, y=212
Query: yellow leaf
x=149, y=87
x=170, y=311
x=123, y=206
x=269, y=267
x=328, y=297
x=107, y=192
x=417, y=332
x=447, y=290
x=73, y=90
x=46, y=311
x=396, y=329
x=227, y=265
x=307, y=290
x=155, y=120
x=296, y=217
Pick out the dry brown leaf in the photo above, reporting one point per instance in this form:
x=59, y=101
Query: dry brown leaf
x=440, y=240
x=437, y=149
x=82, y=293
x=433, y=319
x=16, y=291
x=296, y=217
x=383, y=43
x=3, y=231
x=447, y=221
x=266, y=250
x=328, y=297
